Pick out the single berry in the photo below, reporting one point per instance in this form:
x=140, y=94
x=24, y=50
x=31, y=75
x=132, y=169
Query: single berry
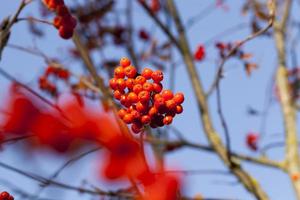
x=178, y=98
x=119, y=72
x=130, y=71
x=167, y=120
x=147, y=73
x=157, y=76
x=125, y=62
x=140, y=80
x=144, y=96
x=167, y=94
x=137, y=88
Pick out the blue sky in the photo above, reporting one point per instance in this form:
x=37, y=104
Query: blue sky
x=238, y=92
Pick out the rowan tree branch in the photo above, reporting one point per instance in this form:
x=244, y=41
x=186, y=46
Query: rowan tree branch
x=248, y=181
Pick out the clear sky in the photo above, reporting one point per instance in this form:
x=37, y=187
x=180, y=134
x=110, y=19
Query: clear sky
x=238, y=92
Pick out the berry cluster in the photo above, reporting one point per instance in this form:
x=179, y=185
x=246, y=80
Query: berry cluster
x=46, y=85
x=64, y=21
x=6, y=196
x=144, y=100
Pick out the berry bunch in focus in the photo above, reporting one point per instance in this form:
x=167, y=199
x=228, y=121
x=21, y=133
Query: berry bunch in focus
x=64, y=21
x=142, y=95
x=6, y=196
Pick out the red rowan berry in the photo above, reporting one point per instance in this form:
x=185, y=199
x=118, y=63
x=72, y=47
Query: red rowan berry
x=141, y=107
x=125, y=62
x=159, y=102
x=62, y=10
x=119, y=72
x=136, y=115
x=157, y=76
x=137, y=88
x=128, y=118
x=118, y=94
x=113, y=83
x=65, y=32
x=130, y=71
x=140, y=80
x=130, y=83
x=157, y=96
x=121, y=84
x=200, y=53
x=171, y=104
x=145, y=119
x=167, y=94
x=132, y=97
x=147, y=73
x=144, y=96
x=57, y=22
x=179, y=109
x=148, y=87
x=122, y=113
x=4, y=195
x=124, y=101
x=152, y=111
x=178, y=98
x=157, y=87
x=167, y=120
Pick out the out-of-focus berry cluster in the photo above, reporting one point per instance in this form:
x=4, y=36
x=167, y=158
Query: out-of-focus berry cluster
x=49, y=86
x=142, y=95
x=64, y=21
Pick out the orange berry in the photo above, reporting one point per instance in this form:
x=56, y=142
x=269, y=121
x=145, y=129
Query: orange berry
x=159, y=102
x=152, y=111
x=121, y=84
x=167, y=94
x=137, y=88
x=140, y=80
x=179, y=109
x=167, y=120
x=148, y=87
x=145, y=119
x=144, y=96
x=128, y=118
x=113, y=83
x=147, y=73
x=132, y=97
x=122, y=113
x=141, y=107
x=130, y=83
x=157, y=87
x=178, y=98
x=125, y=62
x=130, y=71
x=119, y=72
x=157, y=76
x=171, y=104
x=117, y=94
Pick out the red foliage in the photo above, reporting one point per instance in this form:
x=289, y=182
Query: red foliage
x=125, y=159
x=161, y=187
x=21, y=113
